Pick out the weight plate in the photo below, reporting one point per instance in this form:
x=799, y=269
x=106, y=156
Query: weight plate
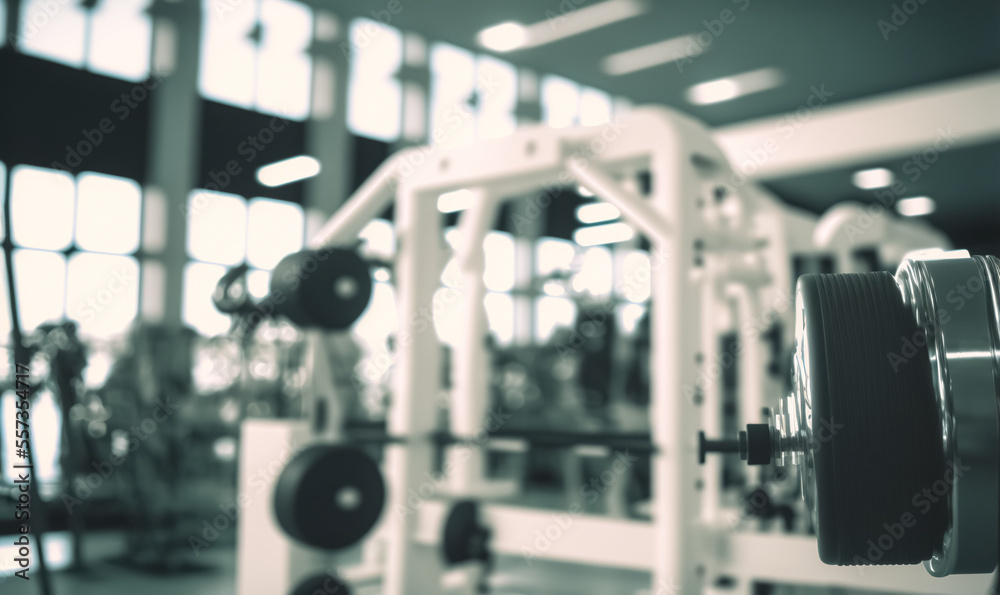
x=329, y=496
x=322, y=584
x=872, y=416
x=327, y=288
x=464, y=536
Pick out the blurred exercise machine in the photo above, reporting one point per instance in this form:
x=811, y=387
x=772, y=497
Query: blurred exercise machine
x=724, y=258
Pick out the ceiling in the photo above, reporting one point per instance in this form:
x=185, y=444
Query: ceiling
x=836, y=44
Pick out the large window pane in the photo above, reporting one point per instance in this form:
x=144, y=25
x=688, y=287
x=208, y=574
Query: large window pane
x=107, y=214
x=498, y=248
x=284, y=68
x=374, y=96
x=53, y=30
x=380, y=237
x=552, y=313
x=120, y=39
x=46, y=428
x=497, y=84
x=635, y=284
x=595, y=274
x=453, y=86
x=560, y=101
x=40, y=284
x=447, y=313
x=217, y=227
x=378, y=322
x=595, y=107
x=259, y=283
x=276, y=229
x=500, y=312
x=197, y=309
x=554, y=255
x=228, y=58
x=42, y=203
x=102, y=293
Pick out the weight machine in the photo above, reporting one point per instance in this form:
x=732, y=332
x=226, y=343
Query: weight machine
x=720, y=262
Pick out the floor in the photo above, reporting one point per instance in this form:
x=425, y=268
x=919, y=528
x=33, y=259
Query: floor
x=512, y=576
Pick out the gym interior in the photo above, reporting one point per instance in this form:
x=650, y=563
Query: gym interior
x=617, y=297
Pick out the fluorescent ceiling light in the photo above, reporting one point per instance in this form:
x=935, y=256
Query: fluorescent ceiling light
x=583, y=191
x=458, y=200
x=916, y=206
x=603, y=234
x=503, y=37
x=512, y=35
x=735, y=86
x=879, y=177
x=654, y=54
x=597, y=212
x=289, y=170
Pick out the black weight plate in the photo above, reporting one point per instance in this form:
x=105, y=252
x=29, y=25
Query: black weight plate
x=329, y=496
x=462, y=533
x=876, y=431
x=322, y=584
x=327, y=288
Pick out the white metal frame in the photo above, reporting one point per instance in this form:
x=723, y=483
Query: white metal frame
x=716, y=265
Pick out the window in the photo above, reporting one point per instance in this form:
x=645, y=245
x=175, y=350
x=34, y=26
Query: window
x=95, y=220
x=595, y=276
x=108, y=218
x=102, y=292
x=47, y=423
x=113, y=38
x=497, y=87
x=265, y=247
x=498, y=248
x=41, y=208
x=636, y=273
x=40, y=286
x=552, y=313
x=378, y=322
x=628, y=316
x=380, y=238
x=595, y=107
x=197, y=309
x=255, y=55
x=217, y=227
x=374, y=102
x=120, y=39
x=500, y=312
x=560, y=101
x=453, y=95
x=554, y=255
x=225, y=230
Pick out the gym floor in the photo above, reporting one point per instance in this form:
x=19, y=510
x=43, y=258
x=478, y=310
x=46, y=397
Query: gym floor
x=513, y=576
